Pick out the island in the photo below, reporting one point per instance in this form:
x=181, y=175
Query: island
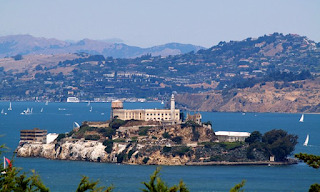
x=160, y=137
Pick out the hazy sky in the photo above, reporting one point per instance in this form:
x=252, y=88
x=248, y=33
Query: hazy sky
x=147, y=23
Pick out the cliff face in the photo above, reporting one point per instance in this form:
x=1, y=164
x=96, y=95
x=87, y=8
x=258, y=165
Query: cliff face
x=152, y=145
x=293, y=97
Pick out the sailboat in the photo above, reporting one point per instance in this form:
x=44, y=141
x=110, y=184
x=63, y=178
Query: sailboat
x=41, y=110
x=47, y=103
x=91, y=109
x=88, y=103
x=302, y=118
x=27, y=111
x=76, y=124
x=5, y=161
x=10, y=109
x=306, y=141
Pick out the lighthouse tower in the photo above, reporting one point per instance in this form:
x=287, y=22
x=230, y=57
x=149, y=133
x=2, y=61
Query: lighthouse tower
x=172, y=107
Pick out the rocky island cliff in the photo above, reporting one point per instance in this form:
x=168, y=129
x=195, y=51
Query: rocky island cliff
x=141, y=142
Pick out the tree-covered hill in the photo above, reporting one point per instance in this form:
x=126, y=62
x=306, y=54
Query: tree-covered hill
x=234, y=64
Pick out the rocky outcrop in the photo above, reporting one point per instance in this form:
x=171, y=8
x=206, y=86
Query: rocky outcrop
x=292, y=97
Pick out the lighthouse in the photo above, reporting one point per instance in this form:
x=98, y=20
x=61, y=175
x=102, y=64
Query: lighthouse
x=172, y=107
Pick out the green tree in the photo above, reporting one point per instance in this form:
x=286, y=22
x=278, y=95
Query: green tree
x=85, y=185
x=157, y=185
x=237, y=187
x=255, y=136
x=314, y=162
x=279, y=143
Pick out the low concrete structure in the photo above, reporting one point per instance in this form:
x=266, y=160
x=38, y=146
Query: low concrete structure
x=230, y=136
x=35, y=135
x=51, y=137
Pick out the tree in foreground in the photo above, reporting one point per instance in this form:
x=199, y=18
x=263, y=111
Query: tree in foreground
x=157, y=185
x=314, y=162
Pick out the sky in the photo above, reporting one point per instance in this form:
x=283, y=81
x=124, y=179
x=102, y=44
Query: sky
x=147, y=23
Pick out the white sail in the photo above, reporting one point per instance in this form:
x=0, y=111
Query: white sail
x=77, y=125
x=41, y=110
x=2, y=111
x=302, y=118
x=9, y=109
x=46, y=103
x=88, y=103
x=306, y=141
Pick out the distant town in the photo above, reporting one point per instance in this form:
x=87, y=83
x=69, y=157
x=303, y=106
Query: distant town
x=234, y=64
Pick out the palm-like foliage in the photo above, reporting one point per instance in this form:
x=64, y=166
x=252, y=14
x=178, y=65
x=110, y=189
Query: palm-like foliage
x=85, y=185
x=157, y=185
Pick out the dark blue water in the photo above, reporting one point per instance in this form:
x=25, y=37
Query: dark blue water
x=65, y=175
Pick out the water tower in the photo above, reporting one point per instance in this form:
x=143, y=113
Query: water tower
x=116, y=104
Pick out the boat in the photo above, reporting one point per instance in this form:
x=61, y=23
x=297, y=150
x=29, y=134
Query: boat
x=73, y=100
x=91, y=109
x=88, y=103
x=2, y=112
x=302, y=118
x=6, y=162
x=10, y=109
x=27, y=111
x=47, y=103
x=61, y=109
x=162, y=102
x=306, y=141
x=41, y=110
x=76, y=124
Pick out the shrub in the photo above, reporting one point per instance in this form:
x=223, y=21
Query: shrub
x=134, y=139
x=92, y=137
x=166, y=135
x=166, y=149
x=119, y=140
x=107, y=132
x=181, y=150
x=130, y=154
x=143, y=131
x=196, y=134
x=145, y=160
x=116, y=123
x=231, y=145
x=61, y=136
x=109, y=144
x=154, y=137
x=121, y=156
x=177, y=139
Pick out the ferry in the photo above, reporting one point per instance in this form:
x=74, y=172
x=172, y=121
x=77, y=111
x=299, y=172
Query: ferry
x=73, y=100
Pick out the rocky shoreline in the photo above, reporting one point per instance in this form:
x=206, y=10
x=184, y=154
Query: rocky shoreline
x=138, y=143
x=94, y=152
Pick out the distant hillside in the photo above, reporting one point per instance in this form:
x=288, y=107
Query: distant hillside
x=227, y=66
x=286, y=97
x=27, y=44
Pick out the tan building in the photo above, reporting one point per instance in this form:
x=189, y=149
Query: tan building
x=34, y=135
x=230, y=136
x=196, y=117
x=164, y=115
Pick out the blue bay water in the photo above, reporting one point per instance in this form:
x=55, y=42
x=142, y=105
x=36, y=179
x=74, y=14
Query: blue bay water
x=65, y=175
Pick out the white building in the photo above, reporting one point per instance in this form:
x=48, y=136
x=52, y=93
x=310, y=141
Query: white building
x=230, y=136
x=51, y=137
x=171, y=115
